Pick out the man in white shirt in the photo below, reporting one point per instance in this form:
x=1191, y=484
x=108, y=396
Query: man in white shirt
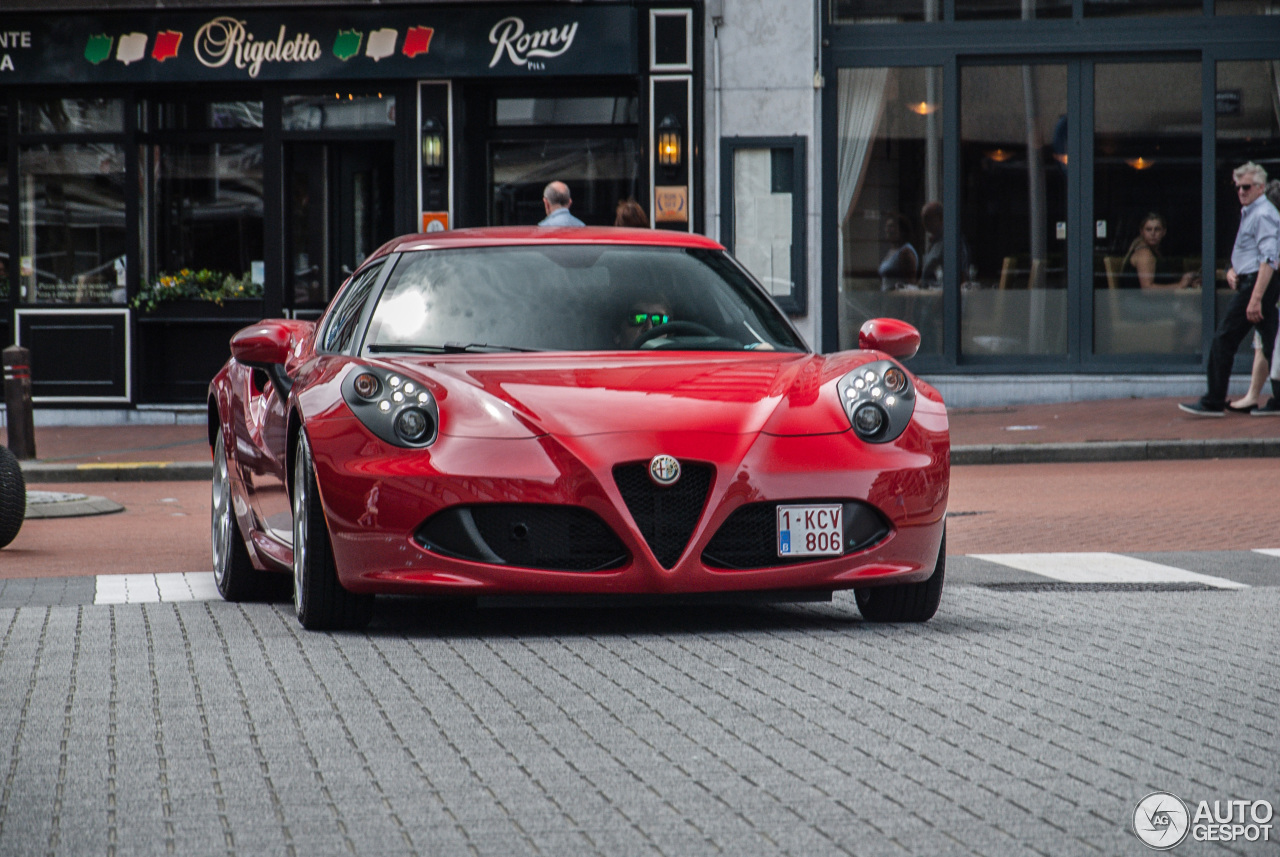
x=556, y=200
x=1253, y=261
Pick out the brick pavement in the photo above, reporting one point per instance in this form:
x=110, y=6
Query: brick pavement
x=1011, y=724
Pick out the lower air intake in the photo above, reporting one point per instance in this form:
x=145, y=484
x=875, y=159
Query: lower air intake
x=547, y=537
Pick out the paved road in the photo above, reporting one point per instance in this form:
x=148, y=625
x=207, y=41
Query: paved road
x=1015, y=722
x=1052, y=693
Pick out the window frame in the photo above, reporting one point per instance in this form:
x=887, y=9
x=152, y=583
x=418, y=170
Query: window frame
x=795, y=303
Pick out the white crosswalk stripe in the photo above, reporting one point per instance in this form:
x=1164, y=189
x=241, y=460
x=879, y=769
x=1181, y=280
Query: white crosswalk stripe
x=1065, y=567
x=144, y=588
x=1103, y=568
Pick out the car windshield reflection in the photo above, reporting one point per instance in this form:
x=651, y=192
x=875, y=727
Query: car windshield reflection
x=586, y=297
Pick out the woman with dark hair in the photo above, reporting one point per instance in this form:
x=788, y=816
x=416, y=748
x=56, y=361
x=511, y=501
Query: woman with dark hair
x=901, y=264
x=630, y=214
x=1145, y=267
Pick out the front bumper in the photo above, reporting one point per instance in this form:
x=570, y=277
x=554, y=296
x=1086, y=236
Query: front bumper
x=376, y=499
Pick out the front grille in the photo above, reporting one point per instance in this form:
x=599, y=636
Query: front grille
x=749, y=537
x=666, y=516
x=552, y=538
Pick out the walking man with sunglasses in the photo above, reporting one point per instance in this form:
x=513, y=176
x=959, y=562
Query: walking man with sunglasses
x=1253, y=264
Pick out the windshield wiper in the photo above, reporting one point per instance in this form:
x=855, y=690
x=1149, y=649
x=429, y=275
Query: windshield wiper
x=451, y=348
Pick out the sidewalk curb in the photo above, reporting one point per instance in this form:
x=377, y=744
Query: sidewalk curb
x=1006, y=453
x=1125, y=450
x=35, y=472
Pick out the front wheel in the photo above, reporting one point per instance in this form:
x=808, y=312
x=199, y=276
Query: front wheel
x=905, y=602
x=13, y=496
x=319, y=599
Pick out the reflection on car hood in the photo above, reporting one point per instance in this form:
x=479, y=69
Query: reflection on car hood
x=596, y=393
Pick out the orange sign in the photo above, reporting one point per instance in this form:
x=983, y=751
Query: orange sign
x=435, y=221
x=671, y=204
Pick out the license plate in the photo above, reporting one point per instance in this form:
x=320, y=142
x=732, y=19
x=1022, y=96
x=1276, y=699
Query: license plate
x=811, y=530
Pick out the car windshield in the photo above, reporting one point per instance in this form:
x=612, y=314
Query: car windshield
x=577, y=297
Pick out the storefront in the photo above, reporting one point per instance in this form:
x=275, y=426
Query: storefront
x=256, y=157
x=992, y=166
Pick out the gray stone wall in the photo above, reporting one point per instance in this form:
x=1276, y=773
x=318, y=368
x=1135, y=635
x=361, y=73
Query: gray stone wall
x=767, y=62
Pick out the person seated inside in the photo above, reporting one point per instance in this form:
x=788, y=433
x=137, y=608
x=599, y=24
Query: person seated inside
x=642, y=317
x=901, y=264
x=1146, y=267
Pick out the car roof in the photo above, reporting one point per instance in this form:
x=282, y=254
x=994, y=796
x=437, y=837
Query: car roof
x=505, y=236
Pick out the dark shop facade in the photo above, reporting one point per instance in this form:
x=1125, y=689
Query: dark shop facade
x=167, y=177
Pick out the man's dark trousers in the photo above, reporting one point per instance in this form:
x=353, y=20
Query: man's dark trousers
x=1231, y=332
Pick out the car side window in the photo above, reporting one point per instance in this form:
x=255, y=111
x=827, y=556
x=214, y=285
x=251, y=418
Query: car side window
x=341, y=327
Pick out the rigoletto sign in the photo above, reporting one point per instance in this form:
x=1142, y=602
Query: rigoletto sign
x=243, y=45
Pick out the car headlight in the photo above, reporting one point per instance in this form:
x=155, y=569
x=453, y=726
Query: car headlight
x=879, y=399
x=396, y=409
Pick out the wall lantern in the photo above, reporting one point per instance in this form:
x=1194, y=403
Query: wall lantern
x=669, y=141
x=432, y=143
x=923, y=108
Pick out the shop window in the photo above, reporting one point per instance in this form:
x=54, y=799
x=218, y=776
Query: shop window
x=6, y=263
x=73, y=233
x=1146, y=208
x=1248, y=129
x=206, y=211
x=515, y=112
x=1013, y=209
x=765, y=211
x=71, y=116
x=883, y=11
x=338, y=111
x=1142, y=8
x=599, y=172
x=889, y=162
x=1246, y=7
x=199, y=115
x=990, y=10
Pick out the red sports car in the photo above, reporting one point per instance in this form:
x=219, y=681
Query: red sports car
x=595, y=411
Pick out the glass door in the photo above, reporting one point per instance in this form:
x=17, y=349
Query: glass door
x=1013, y=209
x=340, y=209
x=1093, y=163
x=1146, y=208
x=524, y=137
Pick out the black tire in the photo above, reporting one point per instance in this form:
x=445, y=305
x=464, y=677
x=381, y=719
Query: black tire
x=905, y=602
x=233, y=571
x=13, y=497
x=319, y=599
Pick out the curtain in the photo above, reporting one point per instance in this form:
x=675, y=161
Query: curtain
x=861, y=103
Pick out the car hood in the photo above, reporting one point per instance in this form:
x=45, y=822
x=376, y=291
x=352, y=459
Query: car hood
x=598, y=393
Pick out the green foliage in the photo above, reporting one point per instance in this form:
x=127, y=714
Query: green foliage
x=189, y=285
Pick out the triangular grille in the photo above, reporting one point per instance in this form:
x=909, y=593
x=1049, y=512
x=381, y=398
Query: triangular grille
x=666, y=516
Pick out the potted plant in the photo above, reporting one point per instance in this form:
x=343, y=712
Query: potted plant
x=189, y=285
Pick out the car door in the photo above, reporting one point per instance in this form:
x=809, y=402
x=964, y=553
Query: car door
x=268, y=415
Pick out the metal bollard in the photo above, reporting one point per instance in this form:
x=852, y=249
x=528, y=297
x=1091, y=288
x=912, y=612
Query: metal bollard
x=17, y=402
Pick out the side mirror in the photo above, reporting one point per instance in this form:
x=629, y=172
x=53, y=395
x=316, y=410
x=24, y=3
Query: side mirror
x=890, y=335
x=269, y=342
x=268, y=345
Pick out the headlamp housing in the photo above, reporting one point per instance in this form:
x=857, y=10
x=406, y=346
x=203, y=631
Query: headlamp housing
x=878, y=398
x=397, y=409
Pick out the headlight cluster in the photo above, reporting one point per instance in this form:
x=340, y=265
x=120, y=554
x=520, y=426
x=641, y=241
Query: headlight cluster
x=396, y=409
x=879, y=399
